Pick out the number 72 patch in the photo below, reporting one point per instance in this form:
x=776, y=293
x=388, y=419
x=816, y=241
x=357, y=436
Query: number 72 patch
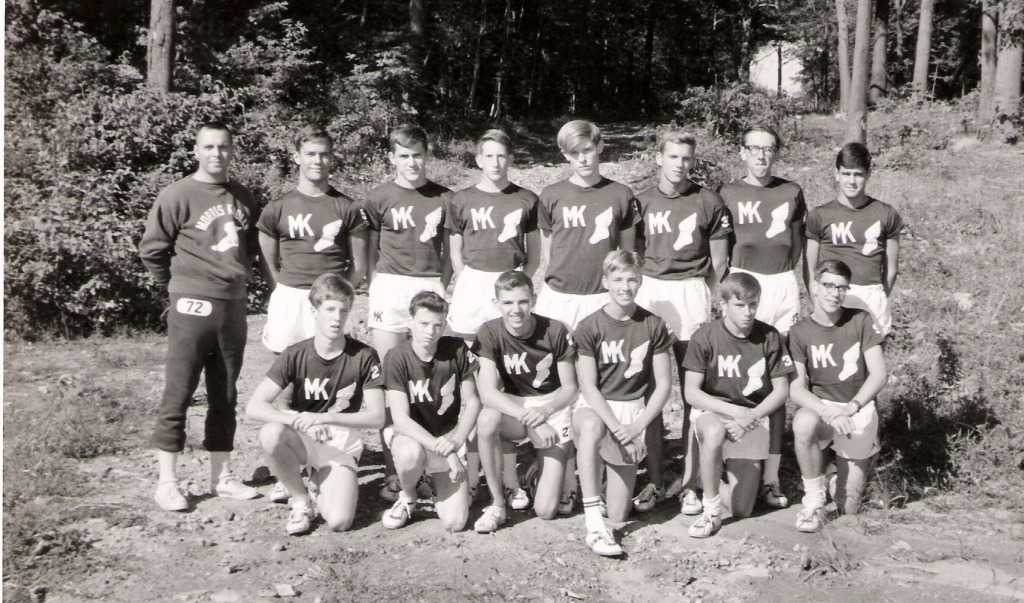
x=193, y=307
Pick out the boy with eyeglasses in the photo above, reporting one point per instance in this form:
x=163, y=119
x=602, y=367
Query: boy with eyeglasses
x=839, y=371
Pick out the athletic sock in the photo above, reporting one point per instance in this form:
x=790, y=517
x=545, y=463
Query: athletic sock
x=771, y=468
x=712, y=505
x=814, y=492
x=473, y=469
x=592, y=514
x=509, y=476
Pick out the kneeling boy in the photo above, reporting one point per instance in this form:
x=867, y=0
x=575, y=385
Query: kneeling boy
x=336, y=392
x=736, y=377
x=624, y=376
x=432, y=396
x=527, y=385
x=835, y=393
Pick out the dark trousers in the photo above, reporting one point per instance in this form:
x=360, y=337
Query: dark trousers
x=203, y=334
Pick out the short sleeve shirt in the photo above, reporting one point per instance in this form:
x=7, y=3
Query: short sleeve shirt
x=834, y=355
x=855, y=236
x=411, y=224
x=584, y=224
x=623, y=350
x=312, y=233
x=528, y=366
x=678, y=229
x=763, y=219
x=740, y=371
x=434, y=388
x=321, y=385
x=493, y=226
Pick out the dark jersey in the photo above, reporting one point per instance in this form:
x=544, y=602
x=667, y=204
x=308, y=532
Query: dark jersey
x=834, y=356
x=624, y=350
x=493, y=226
x=312, y=233
x=855, y=236
x=410, y=223
x=677, y=230
x=320, y=385
x=740, y=371
x=763, y=218
x=528, y=366
x=584, y=224
x=434, y=388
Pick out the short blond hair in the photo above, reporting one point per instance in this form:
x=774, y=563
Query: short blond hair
x=677, y=137
x=575, y=133
x=622, y=260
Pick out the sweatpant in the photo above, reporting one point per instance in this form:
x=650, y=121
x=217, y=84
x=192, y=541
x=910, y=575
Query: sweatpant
x=208, y=334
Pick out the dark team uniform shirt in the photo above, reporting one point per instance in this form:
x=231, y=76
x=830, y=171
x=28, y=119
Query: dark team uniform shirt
x=584, y=224
x=528, y=366
x=320, y=385
x=624, y=350
x=312, y=233
x=855, y=236
x=410, y=222
x=493, y=226
x=834, y=356
x=435, y=395
x=738, y=370
x=763, y=218
x=678, y=229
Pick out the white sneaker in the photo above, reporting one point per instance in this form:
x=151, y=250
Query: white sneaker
x=392, y=488
x=278, y=494
x=493, y=518
x=809, y=519
x=231, y=487
x=300, y=520
x=773, y=496
x=650, y=496
x=567, y=504
x=691, y=504
x=398, y=515
x=169, y=497
x=603, y=543
x=517, y=498
x=705, y=526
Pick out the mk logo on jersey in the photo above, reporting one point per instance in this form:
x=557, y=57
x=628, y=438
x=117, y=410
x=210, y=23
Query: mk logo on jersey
x=611, y=352
x=657, y=222
x=821, y=356
x=572, y=217
x=749, y=212
x=482, y=217
x=842, y=233
x=298, y=226
x=516, y=363
x=401, y=218
x=729, y=366
x=378, y=316
x=420, y=390
x=316, y=389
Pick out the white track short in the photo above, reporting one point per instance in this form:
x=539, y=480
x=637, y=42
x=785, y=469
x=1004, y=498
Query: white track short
x=472, y=301
x=289, y=318
x=684, y=305
x=560, y=421
x=753, y=445
x=780, y=298
x=625, y=411
x=863, y=442
x=390, y=295
x=873, y=299
x=567, y=307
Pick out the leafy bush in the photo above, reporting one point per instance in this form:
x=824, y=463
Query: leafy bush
x=728, y=111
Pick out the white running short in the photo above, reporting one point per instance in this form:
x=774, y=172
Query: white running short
x=567, y=307
x=753, y=445
x=472, y=301
x=625, y=411
x=780, y=298
x=390, y=295
x=863, y=442
x=684, y=305
x=873, y=299
x=289, y=318
x=560, y=421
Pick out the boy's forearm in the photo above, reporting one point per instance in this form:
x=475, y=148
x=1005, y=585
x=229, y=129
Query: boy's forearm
x=468, y=419
x=596, y=401
x=411, y=429
x=702, y=400
x=805, y=399
x=565, y=396
x=655, y=403
x=499, y=401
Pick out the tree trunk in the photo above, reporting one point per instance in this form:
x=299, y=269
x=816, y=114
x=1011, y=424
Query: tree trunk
x=498, y=107
x=778, y=51
x=842, y=36
x=879, y=60
x=417, y=35
x=924, y=47
x=160, y=50
x=857, y=117
x=478, y=54
x=1006, y=96
x=746, y=31
x=647, y=98
x=989, y=32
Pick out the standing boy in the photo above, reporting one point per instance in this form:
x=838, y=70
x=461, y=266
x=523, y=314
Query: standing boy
x=839, y=371
x=434, y=404
x=336, y=391
x=861, y=231
x=684, y=241
x=309, y=231
x=527, y=383
x=199, y=244
x=768, y=229
x=625, y=379
x=736, y=376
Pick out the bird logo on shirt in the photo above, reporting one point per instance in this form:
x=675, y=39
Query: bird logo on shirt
x=230, y=240
x=511, y=226
x=343, y=399
x=778, y=226
x=447, y=395
x=871, y=238
x=543, y=370
x=602, y=226
x=686, y=230
x=755, y=377
x=331, y=231
x=850, y=358
x=636, y=359
x=430, y=223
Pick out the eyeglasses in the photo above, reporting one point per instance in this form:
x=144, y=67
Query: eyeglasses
x=833, y=288
x=766, y=151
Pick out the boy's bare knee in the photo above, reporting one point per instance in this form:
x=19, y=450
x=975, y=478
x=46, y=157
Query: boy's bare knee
x=339, y=523
x=272, y=436
x=546, y=511
x=455, y=523
x=488, y=423
x=805, y=426
x=590, y=429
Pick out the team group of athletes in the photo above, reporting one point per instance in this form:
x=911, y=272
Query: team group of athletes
x=580, y=369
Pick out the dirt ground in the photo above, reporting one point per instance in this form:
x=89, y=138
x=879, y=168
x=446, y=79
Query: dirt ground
x=221, y=551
